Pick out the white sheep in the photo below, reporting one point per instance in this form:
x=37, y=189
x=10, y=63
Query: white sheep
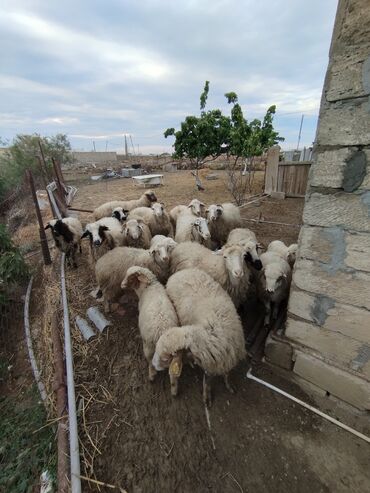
x=175, y=212
x=156, y=218
x=211, y=334
x=104, y=234
x=136, y=234
x=67, y=234
x=197, y=208
x=191, y=228
x=222, y=218
x=287, y=253
x=111, y=269
x=247, y=239
x=225, y=266
x=162, y=223
x=156, y=312
x=105, y=210
x=273, y=284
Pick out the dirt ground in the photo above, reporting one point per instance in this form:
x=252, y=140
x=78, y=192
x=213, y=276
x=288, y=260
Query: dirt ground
x=134, y=435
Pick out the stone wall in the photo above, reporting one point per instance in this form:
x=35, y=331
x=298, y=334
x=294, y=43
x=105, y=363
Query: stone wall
x=328, y=326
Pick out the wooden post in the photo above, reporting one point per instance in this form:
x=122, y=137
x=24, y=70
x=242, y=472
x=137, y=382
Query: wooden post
x=43, y=177
x=44, y=162
x=272, y=169
x=44, y=241
x=60, y=173
x=61, y=397
x=58, y=182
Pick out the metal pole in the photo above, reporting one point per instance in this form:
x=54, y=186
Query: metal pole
x=44, y=241
x=61, y=396
x=300, y=132
x=73, y=429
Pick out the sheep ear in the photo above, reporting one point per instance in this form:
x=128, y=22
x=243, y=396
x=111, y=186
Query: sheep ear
x=175, y=367
x=142, y=279
x=218, y=252
x=85, y=233
x=190, y=206
x=203, y=205
x=47, y=226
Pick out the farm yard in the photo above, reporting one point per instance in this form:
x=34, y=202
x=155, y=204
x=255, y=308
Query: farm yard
x=135, y=436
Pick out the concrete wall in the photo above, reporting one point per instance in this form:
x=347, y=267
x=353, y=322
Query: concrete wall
x=84, y=158
x=328, y=327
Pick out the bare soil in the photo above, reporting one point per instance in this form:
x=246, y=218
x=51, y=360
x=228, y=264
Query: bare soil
x=134, y=435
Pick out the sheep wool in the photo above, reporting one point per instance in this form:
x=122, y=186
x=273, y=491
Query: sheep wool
x=211, y=329
x=106, y=210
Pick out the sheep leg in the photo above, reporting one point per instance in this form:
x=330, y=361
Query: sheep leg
x=106, y=305
x=228, y=384
x=152, y=372
x=207, y=391
x=275, y=311
x=174, y=382
x=73, y=256
x=267, y=312
x=149, y=353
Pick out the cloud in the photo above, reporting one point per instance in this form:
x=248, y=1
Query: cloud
x=99, y=70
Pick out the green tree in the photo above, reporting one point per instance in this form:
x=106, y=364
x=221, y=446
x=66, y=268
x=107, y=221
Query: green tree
x=201, y=138
x=22, y=154
x=13, y=268
x=247, y=141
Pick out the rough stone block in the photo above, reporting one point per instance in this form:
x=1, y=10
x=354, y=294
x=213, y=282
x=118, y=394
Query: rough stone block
x=279, y=353
x=341, y=168
x=352, y=288
x=345, y=123
x=341, y=384
x=350, y=211
x=344, y=351
x=278, y=195
x=331, y=315
x=348, y=74
x=338, y=249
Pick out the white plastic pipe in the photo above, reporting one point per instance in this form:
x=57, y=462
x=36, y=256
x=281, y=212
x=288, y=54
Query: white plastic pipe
x=307, y=406
x=31, y=354
x=72, y=415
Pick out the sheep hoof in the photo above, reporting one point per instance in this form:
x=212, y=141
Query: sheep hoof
x=228, y=385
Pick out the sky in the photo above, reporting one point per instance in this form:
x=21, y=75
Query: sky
x=97, y=70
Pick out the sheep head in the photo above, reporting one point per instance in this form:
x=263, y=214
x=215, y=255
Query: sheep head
x=234, y=261
x=197, y=207
x=214, y=212
x=158, y=209
x=120, y=214
x=161, y=248
x=133, y=228
x=150, y=195
x=272, y=277
x=137, y=278
x=96, y=233
x=200, y=225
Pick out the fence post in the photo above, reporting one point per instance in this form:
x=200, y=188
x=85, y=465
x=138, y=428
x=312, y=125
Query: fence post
x=58, y=182
x=44, y=161
x=272, y=169
x=43, y=239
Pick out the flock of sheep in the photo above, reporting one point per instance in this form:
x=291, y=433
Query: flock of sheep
x=192, y=268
